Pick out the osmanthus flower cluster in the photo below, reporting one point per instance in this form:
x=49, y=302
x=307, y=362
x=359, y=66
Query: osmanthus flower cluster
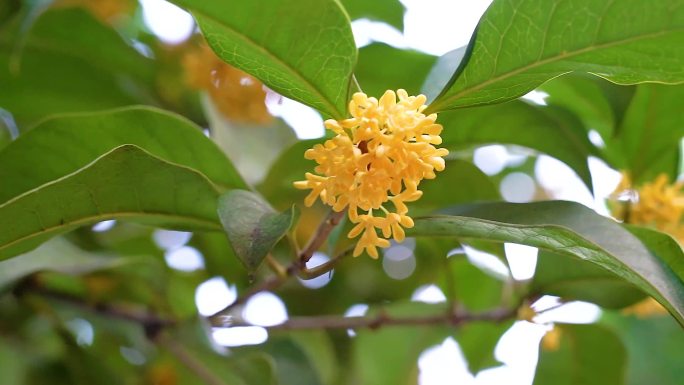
x=238, y=96
x=373, y=165
x=659, y=204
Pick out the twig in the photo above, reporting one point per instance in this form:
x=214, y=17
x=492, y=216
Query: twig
x=275, y=281
x=190, y=361
x=320, y=236
x=146, y=319
x=455, y=318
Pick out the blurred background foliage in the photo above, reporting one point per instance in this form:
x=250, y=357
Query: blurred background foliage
x=117, y=303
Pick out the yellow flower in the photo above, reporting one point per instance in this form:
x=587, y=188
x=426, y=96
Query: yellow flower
x=379, y=155
x=658, y=204
x=239, y=96
x=645, y=309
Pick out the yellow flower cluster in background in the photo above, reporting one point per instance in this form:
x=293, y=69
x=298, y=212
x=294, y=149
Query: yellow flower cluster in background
x=240, y=97
x=659, y=204
x=381, y=154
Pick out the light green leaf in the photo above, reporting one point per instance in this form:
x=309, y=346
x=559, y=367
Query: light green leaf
x=70, y=62
x=441, y=72
x=587, y=355
x=549, y=130
x=650, y=134
x=568, y=229
x=389, y=11
x=56, y=255
x=289, y=167
x=302, y=49
x=126, y=183
x=252, y=226
x=661, y=245
x=573, y=279
x=382, y=67
x=69, y=142
x=519, y=44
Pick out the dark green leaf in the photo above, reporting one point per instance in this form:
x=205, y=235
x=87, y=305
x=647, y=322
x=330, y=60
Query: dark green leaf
x=389, y=11
x=70, y=62
x=292, y=365
x=650, y=134
x=587, y=355
x=126, y=183
x=389, y=356
x=252, y=226
x=460, y=182
x=654, y=348
x=382, y=67
x=582, y=95
x=662, y=246
x=568, y=229
x=304, y=50
x=478, y=341
x=69, y=142
x=521, y=44
x=548, y=130
x=574, y=279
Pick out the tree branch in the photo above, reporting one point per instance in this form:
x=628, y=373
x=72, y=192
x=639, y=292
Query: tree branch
x=146, y=319
x=455, y=318
x=320, y=236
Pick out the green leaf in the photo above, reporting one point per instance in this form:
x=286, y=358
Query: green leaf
x=568, y=229
x=654, y=347
x=252, y=226
x=475, y=289
x=582, y=95
x=574, y=279
x=56, y=255
x=521, y=44
x=478, y=340
x=662, y=246
x=382, y=67
x=292, y=364
x=549, y=130
x=587, y=355
x=389, y=356
x=126, y=183
x=289, y=167
x=650, y=134
x=303, y=50
x=469, y=185
x=69, y=62
x=389, y=11
x=69, y=142
x=441, y=72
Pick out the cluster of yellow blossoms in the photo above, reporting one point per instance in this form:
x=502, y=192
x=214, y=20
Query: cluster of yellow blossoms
x=659, y=204
x=381, y=154
x=240, y=97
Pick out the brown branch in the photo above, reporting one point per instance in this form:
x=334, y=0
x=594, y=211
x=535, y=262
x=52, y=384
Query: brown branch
x=320, y=236
x=455, y=318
